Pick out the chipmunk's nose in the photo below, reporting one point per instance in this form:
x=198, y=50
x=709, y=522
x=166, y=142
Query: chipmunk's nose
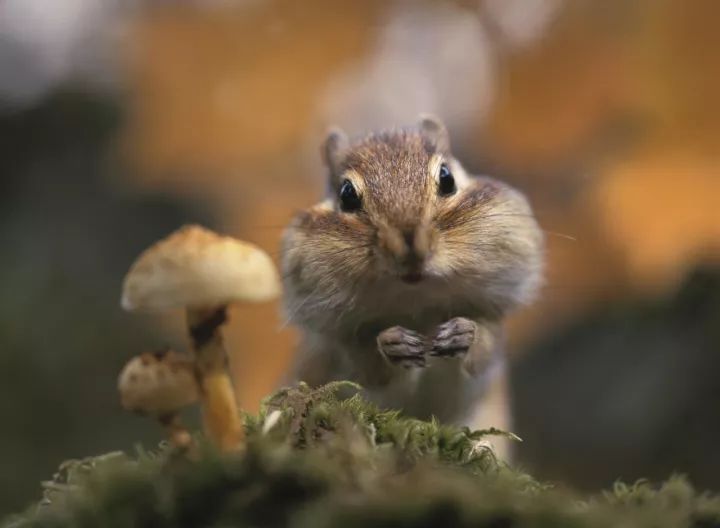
x=409, y=238
x=418, y=242
x=409, y=248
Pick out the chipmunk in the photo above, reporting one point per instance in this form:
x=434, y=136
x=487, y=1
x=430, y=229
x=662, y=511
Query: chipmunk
x=401, y=278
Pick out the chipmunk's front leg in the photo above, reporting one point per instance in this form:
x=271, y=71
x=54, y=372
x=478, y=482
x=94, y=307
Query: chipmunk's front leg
x=403, y=347
x=467, y=339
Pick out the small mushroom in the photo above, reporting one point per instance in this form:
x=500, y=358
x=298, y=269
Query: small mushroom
x=159, y=385
x=203, y=272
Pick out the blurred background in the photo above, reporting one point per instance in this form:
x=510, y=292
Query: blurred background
x=122, y=120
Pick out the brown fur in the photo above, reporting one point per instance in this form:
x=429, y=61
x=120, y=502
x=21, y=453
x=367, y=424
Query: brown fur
x=479, y=251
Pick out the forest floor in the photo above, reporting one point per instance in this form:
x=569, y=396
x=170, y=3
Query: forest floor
x=325, y=457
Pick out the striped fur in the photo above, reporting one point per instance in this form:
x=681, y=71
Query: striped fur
x=482, y=255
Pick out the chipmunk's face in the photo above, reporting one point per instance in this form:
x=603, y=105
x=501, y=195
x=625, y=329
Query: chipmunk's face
x=404, y=218
x=392, y=191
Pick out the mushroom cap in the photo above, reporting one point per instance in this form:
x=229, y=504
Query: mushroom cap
x=158, y=384
x=197, y=268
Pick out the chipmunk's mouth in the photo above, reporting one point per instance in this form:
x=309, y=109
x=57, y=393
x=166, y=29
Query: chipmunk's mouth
x=413, y=271
x=412, y=277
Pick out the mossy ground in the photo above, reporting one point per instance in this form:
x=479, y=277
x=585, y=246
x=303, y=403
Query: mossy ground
x=317, y=459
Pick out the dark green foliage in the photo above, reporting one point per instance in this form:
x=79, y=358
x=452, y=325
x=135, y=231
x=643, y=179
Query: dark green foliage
x=316, y=459
x=69, y=227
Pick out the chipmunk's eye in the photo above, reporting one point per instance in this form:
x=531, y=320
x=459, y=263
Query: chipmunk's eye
x=446, y=181
x=349, y=199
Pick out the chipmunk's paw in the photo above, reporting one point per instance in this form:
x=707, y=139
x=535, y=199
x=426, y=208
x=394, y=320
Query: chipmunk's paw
x=454, y=338
x=403, y=347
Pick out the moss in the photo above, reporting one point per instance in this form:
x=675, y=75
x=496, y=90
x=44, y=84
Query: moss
x=317, y=458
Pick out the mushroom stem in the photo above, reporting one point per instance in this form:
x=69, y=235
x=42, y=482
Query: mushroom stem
x=177, y=433
x=221, y=418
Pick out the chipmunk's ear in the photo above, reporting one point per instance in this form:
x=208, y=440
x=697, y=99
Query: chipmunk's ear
x=334, y=148
x=433, y=129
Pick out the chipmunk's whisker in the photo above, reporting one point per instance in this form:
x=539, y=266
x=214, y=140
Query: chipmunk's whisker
x=494, y=215
x=561, y=235
x=549, y=232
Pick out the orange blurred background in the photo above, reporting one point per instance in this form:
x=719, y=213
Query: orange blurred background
x=606, y=113
x=607, y=118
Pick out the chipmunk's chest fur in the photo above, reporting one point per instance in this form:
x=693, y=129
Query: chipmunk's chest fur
x=350, y=350
x=380, y=304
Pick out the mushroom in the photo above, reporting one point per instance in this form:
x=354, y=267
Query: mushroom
x=160, y=384
x=203, y=272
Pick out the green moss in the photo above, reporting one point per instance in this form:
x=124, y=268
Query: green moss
x=316, y=458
